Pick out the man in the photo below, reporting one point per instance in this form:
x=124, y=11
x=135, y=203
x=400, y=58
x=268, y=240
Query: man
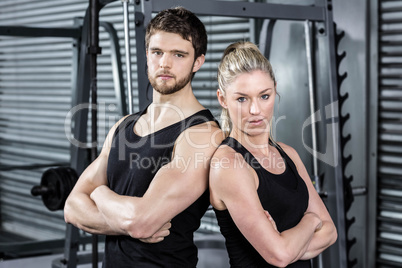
x=148, y=189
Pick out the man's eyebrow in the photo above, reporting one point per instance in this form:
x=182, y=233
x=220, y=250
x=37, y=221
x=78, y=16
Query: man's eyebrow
x=179, y=51
x=154, y=48
x=172, y=51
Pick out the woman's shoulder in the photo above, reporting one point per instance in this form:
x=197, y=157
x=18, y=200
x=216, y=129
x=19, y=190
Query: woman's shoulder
x=224, y=154
x=226, y=162
x=290, y=151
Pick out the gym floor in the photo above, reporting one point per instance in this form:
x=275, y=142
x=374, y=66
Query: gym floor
x=211, y=253
x=37, y=262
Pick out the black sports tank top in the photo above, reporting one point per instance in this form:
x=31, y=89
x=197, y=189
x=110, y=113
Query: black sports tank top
x=284, y=196
x=133, y=163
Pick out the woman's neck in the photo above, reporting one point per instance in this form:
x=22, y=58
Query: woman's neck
x=254, y=143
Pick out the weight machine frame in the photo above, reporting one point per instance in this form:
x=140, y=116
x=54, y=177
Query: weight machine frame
x=321, y=12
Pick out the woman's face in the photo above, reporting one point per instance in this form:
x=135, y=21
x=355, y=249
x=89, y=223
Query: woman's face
x=250, y=102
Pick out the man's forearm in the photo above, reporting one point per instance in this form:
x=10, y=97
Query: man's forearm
x=83, y=213
x=113, y=208
x=124, y=214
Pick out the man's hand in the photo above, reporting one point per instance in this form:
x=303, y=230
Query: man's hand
x=159, y=235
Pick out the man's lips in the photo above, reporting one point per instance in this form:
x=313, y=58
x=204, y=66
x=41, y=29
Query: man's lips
x=165, y=76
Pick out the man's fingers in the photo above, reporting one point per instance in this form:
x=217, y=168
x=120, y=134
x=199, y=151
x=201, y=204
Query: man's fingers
x=151, y=240
x=161, y=233
x=166, y=226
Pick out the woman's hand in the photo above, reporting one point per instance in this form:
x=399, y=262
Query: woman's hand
x=319, y=222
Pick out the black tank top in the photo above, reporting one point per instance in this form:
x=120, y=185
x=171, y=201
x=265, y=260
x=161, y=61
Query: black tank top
x=284, y=196
x=133, y=163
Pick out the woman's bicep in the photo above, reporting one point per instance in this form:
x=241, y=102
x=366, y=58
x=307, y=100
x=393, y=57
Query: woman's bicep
x=238, y=192
x=316, y=204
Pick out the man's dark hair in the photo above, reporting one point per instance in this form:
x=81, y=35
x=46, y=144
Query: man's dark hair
x=180, y=21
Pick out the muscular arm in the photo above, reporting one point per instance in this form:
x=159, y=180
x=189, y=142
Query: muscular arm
x=241, y=199
x=175, y=187
x=79, y=209
x=327, y=234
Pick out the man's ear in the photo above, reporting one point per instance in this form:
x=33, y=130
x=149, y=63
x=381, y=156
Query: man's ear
x=221, y=98
x=198, y=63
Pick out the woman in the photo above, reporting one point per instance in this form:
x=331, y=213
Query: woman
x=268, y=210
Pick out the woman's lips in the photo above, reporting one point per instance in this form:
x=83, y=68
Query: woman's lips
x=256, y=122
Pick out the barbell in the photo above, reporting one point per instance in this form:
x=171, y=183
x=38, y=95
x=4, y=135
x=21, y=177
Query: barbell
x=55, y=186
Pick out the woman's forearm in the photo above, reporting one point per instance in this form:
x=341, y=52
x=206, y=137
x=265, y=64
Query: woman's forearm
x=321, y=240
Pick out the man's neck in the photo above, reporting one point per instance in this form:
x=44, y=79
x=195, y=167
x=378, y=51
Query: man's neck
x=182, y=103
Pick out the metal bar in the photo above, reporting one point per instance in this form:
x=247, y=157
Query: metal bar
x=39, y=32
x=78, y=152
x=333, y=112
x=128, y=55
x=94, y=50
x=317, y=261
x=266, y=37
x=245, y=9
x=362, y=190
x=140, y=21
x=32, y=166
x=309, y=55
x=118, y=80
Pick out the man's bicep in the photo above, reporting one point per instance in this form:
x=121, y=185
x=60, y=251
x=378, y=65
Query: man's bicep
x=179, y=183
x=175, y=187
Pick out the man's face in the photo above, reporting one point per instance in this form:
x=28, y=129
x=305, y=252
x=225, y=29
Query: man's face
x=170, y=60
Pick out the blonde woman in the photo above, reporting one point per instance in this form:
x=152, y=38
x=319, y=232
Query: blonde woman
x=267, y=208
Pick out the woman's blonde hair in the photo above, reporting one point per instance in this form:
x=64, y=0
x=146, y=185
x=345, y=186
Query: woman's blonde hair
x=239, y=58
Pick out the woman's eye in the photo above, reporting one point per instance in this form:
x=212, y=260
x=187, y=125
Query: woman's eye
x=265, y=97
x=241, y=99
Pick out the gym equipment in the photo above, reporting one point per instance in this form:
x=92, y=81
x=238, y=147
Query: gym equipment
x=348, y=191
x=128, y=55
x=55, y=186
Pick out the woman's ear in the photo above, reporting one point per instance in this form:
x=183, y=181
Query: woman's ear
x=221, y=98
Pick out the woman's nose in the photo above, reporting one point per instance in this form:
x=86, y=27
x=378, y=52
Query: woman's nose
x=254, y=108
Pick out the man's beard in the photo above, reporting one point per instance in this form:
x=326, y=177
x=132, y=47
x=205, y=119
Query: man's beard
x=164, y=89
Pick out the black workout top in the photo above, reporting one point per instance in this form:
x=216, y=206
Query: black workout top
x=284, y=196
x=133, y=163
